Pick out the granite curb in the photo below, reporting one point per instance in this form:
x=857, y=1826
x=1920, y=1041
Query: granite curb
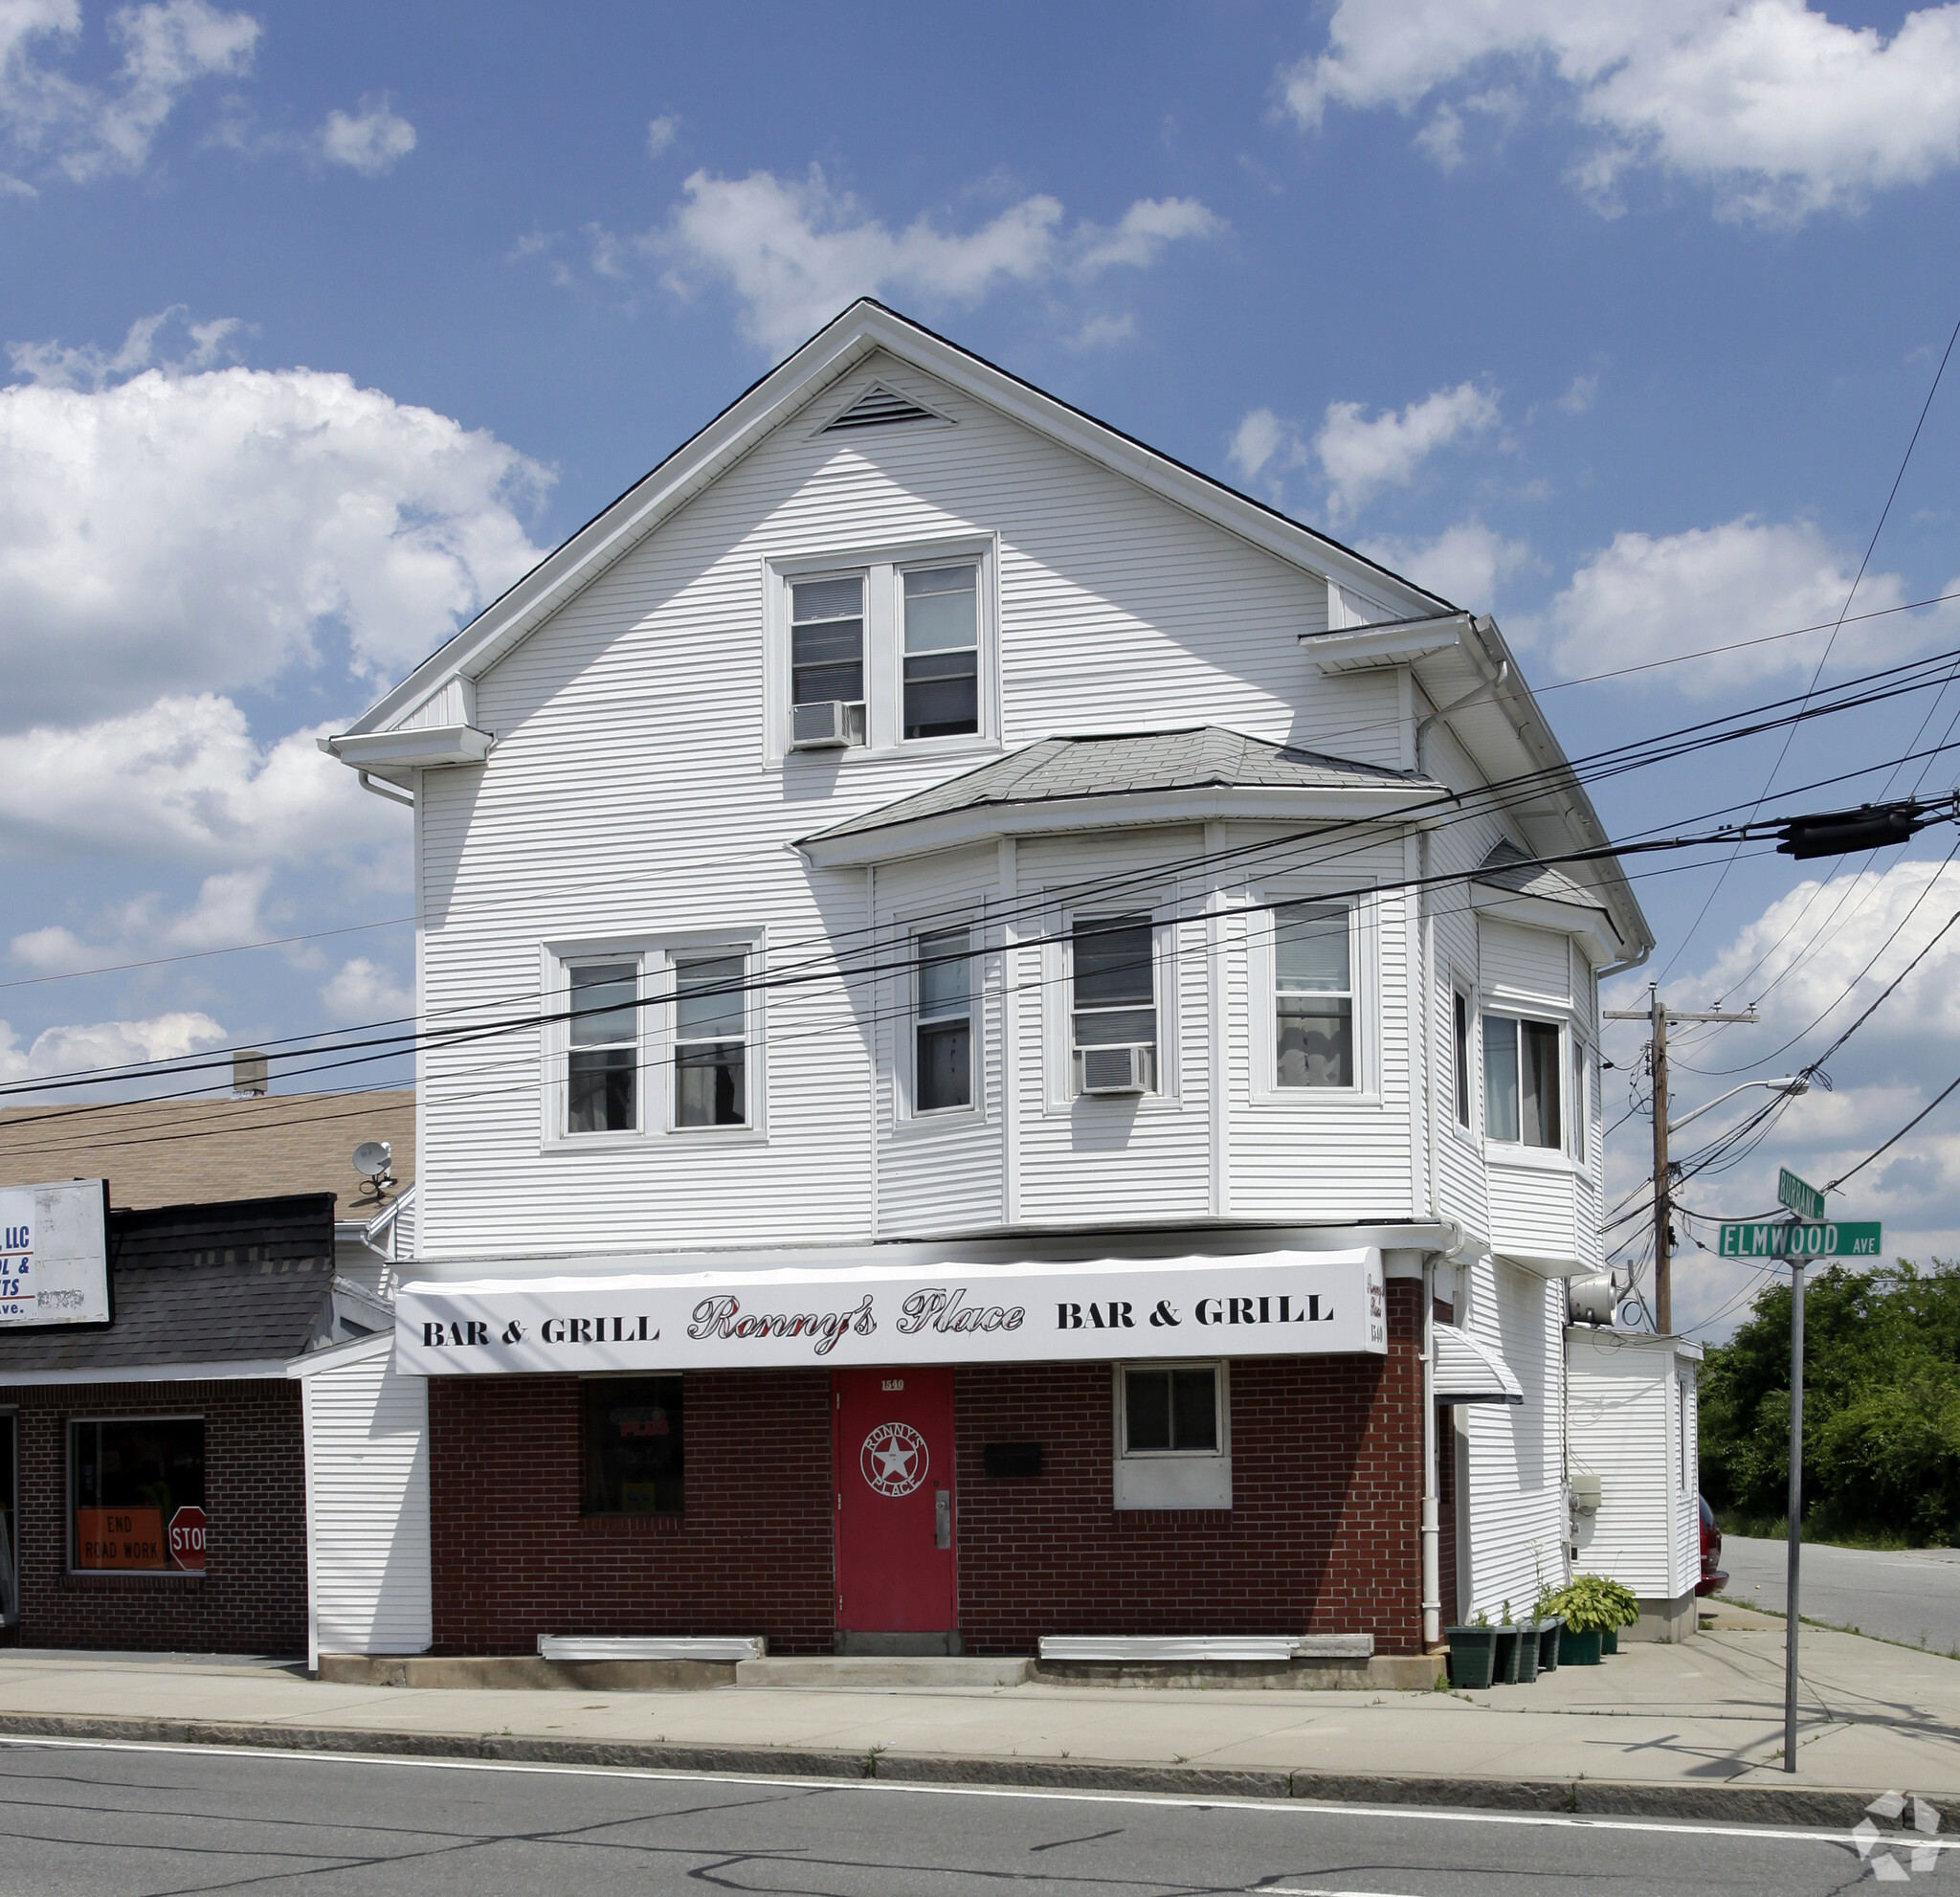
x=1834, y=1806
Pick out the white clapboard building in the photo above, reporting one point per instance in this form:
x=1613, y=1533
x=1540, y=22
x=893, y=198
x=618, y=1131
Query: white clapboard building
x=1003, y=1060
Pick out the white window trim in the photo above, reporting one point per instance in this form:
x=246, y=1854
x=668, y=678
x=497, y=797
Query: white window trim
x=1461, y=989
x=1058, y=989
x=905, y=1067
x=883, y=566
x=1173, y=1478
x=1365, y=915
x=656, y=956
x=1517, y=1152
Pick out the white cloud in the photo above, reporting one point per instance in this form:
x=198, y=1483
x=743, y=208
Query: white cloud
x=1465, y=563
x=1579, y=397
x=798, y=252
x=363, y=990
x=1646, y=599
x=224, y=914
x=183, y=781
x=67, y=1050
x=372, y=140
x=251, y=510
x=661, y=132
x=1358, y=456
x=1816, y=941
x=88, y=131
x=1258, y=439
x=1778, y=109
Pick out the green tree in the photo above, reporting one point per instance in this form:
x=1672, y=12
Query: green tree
x=1881, y=1410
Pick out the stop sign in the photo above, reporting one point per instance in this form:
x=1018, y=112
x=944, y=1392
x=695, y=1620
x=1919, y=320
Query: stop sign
x=187, y=1537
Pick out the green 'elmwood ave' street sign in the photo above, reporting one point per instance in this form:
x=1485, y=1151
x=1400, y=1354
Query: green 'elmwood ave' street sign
x=1801, y=1198
x=1783, y=1238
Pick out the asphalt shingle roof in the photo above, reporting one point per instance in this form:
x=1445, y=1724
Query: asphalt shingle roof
x=1208, y=758
x=243, y=1283
x=179, y=1151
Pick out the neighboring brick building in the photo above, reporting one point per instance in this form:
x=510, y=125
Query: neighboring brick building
x=177, y=1413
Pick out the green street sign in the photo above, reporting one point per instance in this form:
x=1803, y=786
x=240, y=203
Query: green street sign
x=1802, y=1198
x=1784, y=1238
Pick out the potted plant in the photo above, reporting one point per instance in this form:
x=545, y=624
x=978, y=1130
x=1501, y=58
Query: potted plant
x=1473, y=1648
x=1503, y=1655
x=1590, y=1607
x=1524, y=1636
x=1549, y=1626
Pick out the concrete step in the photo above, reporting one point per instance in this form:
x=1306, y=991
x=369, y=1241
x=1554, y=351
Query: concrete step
x=874, y=1673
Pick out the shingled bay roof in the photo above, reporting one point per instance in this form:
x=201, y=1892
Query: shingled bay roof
x=1130, y=763
x=1508, y=867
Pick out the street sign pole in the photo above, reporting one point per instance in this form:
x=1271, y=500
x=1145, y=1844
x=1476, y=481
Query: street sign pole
x=1795, y=1514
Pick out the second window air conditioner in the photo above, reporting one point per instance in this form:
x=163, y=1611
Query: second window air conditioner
x=829, y=724
x=1116, y=1069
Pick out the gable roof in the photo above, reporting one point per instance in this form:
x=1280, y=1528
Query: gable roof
x=865, y=327
x=1080, y=772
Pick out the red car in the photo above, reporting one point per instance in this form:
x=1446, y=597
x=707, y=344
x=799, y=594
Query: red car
x=1712, y=1577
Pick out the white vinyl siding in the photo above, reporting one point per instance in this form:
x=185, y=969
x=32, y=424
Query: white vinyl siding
x=368, y=1566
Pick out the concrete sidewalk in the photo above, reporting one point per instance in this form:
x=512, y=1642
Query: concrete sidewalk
x=1693, y=1730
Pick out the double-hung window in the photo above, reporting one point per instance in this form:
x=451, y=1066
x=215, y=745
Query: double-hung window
x=1521, y=1081
x=1114, y=1005
x=942, y=684
x=710, y=1039
x=827, y=648
x=1313, y=982
x=943, y=1037
x=602, y=1067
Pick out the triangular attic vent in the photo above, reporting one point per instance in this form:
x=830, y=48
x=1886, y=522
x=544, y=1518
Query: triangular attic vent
x=877, y=408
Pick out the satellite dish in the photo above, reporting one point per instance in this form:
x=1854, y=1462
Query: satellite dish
x=372, y=1159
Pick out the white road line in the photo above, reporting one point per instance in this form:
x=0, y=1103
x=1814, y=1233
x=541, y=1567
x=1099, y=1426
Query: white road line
x=1040, y=1793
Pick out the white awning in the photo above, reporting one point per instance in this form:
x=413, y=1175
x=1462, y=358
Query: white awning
x=1467, y=1371
x=1279, y=1303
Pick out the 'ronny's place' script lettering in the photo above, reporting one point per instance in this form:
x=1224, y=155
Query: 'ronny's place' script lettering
x=723, y=1317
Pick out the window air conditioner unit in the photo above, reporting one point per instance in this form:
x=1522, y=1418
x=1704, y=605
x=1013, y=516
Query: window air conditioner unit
x=827, y=726
x=1116, y=1069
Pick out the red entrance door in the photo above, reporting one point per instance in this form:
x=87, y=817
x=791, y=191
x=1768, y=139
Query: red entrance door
x=894, y=1451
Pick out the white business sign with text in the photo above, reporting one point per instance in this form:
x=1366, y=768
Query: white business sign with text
x=1268, y=1304
x=53, y=1254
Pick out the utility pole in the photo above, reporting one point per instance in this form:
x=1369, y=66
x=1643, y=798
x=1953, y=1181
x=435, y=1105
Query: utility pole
x=1657, y=1014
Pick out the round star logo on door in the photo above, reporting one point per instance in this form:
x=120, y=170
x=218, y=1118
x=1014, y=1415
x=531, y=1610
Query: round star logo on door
x=894, y=1459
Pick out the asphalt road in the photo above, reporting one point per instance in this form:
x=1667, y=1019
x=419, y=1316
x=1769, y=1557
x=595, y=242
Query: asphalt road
x=1912, y=1595
x=114, y=1822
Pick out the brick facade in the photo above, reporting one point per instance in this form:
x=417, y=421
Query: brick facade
x=1322, y=1535
x=252, y=1597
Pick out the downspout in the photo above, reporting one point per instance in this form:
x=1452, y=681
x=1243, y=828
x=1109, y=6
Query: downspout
x=1431, y=1506
x=1483, y=689
x=373, y=788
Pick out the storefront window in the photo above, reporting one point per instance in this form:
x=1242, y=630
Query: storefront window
x=134, y=1479
x=632, y=1446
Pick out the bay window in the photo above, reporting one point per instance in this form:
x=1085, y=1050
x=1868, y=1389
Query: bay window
x=1313, y=983
x=1521, y=1081
x=1113, y=1003
x=942, y=1037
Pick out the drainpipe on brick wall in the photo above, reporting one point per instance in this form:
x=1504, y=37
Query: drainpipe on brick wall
x=1432, y=1507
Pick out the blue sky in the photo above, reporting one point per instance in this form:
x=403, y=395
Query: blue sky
x=1614, y=319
